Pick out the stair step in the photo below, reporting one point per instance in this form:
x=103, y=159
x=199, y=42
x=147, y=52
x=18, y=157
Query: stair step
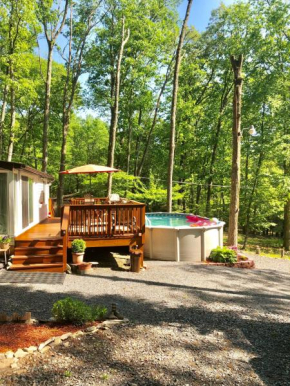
x=37, y=259
x=40, y=250
x=55, y=267
x=38, y=242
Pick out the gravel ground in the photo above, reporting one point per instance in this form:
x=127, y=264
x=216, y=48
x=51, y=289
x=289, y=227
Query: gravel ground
x=188, y=325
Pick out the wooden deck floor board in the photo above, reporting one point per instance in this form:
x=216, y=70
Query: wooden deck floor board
x=47, y=229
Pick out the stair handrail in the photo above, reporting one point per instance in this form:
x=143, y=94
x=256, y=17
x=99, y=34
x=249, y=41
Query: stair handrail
x=64, y=232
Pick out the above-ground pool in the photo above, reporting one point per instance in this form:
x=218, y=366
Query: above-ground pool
x=181, y=237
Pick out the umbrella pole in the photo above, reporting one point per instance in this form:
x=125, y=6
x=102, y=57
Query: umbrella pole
x=90, y=184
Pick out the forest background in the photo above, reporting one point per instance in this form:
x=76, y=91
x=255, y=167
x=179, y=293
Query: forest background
x=59, y=114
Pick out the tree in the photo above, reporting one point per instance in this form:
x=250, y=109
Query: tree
x=174, y=106
x=115, y=110
x=236, y=155
x=80, y=27
x=53, y=19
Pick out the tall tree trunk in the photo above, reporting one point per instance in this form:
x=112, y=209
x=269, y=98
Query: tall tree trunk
x=236, y=155
x=129, y=142
x=51, y=35
x=253, y=190
x=174, y=108
x=137, y=146
x=12, y=123
x=113, y=129
x=286, y=228
x=139, y=171
x=47, y=108
x=2, y=118
x=223, y=104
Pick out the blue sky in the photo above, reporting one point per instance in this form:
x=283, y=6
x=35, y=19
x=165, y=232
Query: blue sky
x=201, y=11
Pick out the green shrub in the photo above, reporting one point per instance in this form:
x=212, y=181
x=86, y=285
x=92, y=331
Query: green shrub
x=78, y=246
x=223, y=255
x=74, y=311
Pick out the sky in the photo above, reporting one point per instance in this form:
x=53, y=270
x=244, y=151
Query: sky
x=201, y=11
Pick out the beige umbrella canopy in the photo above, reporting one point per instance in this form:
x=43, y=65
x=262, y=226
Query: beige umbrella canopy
x=90, y=169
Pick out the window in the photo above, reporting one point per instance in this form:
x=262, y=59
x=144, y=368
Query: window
x=3, y=203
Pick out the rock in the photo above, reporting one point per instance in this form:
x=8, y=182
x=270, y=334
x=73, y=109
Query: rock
x=45, y=349
x=90, y=329
x=68, y=269
x=66, y=344
x=78, y=333
x=47, y=342
x=9, y=354
x=14, y=365
x=57, y=341
x=20, y=353
x=65, y=336
x=4, y=363
x=30, y=349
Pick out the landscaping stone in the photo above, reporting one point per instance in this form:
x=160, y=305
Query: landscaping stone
x=45, y=349
x=57, y=341
x=20, y=353
x=30, y=349
x=90, y=329
x=9, y=354
x=47, y=342
x=66, y=336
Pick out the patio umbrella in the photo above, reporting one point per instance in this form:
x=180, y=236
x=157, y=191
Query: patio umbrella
x=90, y=169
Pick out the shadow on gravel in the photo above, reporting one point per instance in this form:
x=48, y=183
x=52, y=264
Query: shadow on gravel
x=268, y=340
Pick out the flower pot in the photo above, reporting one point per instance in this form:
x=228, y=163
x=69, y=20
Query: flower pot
x=85, y=266
x=78, y=257
x=4, y=245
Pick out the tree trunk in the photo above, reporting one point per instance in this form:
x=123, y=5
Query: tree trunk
x=2, y=118
x=286, y=233
x=137, y=146
x=223, y=104
x=139, y=171
x=51, y=35
x=12, y=124
x=113, y=129
x=236, y=154
x=129, y=143
x=47, y=108
x=174, y=108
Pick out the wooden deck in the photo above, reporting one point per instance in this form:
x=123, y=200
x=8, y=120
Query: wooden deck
x=49, y=228
x=44, y=246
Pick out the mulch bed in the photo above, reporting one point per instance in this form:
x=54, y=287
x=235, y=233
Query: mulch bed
x=19, y=335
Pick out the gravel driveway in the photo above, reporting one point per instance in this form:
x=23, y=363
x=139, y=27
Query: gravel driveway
x=188, y=325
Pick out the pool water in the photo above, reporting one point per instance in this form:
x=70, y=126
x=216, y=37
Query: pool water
x=166, y=221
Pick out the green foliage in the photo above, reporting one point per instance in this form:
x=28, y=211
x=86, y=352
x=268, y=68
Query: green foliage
x=74, y=311
x=223, y=255
x=78, y=246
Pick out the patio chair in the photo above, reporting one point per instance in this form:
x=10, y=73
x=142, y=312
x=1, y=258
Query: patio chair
x=88, y=199
x=114, y=198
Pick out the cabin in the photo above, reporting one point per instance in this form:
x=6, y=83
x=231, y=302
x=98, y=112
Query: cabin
x=24, y=197
x=41, y=242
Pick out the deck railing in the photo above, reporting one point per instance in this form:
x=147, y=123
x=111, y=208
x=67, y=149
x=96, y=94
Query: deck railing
x=107, y=221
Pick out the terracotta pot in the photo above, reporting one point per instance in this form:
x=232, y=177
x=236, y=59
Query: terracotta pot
x=85, y=266
x=4, y=245
x=78, y=257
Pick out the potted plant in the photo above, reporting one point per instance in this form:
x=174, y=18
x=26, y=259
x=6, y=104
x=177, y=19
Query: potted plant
x=78, y=247
x=5, y=242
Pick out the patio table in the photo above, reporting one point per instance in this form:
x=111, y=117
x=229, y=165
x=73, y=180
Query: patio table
x=5, y=250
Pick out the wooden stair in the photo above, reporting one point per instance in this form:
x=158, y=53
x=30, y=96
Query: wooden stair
x=41, y=255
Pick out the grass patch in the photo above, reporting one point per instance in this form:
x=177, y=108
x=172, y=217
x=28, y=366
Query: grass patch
x=269, y=246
